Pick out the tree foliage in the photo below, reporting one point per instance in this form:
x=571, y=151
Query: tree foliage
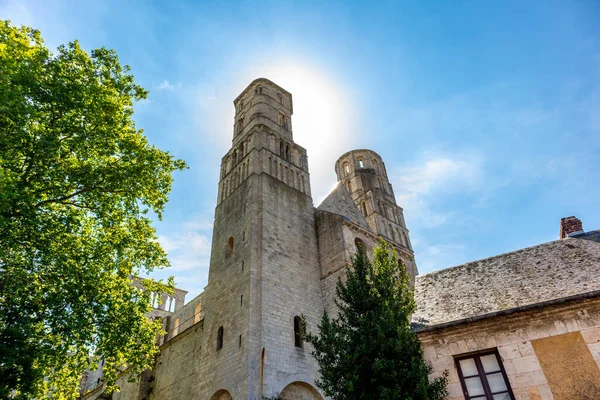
x=369, y=351
x=78, y=186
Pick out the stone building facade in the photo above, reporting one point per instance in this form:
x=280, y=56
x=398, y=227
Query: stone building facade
x=523, y=325
x=528, y=320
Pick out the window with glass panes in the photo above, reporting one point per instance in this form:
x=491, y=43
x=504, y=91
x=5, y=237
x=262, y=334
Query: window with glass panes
x=482, y=377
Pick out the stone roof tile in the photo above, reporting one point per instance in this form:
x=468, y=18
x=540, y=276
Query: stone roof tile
x=528, y=276
x=340, y=202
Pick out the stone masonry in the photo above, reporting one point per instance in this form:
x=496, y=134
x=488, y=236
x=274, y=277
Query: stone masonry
x=274, y=257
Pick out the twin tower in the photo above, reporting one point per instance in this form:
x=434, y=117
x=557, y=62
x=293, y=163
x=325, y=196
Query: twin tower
x=274, y=257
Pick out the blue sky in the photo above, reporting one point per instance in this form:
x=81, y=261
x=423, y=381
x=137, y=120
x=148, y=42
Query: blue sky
x=487, y=114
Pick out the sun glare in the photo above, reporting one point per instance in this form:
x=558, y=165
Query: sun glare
x=321, y=118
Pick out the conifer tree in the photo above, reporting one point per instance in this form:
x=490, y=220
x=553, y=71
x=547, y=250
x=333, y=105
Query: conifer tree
x=369, y=351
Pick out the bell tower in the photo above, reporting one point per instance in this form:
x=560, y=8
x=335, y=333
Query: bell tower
x=365, y=177
x=264, y=268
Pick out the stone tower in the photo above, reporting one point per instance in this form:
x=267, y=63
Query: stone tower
x=364, y=175
x=274, y=258
x=264, y=268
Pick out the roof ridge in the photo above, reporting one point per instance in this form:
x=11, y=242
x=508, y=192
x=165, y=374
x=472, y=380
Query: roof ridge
x=496, y=256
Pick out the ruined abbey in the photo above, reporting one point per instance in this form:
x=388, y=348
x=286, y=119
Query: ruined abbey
x=506, y=327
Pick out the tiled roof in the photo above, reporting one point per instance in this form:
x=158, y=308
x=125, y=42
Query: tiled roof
x=537, y=274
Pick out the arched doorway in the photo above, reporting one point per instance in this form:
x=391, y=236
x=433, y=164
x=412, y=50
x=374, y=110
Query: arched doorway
x=300, y=391
x=221, y=395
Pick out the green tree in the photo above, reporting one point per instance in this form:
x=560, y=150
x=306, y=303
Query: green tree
x=369, y=351
x=79, y=185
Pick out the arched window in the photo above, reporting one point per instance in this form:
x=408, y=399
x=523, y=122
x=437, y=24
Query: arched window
x=349, y=186
x=298, y=332
x=281, y=149
x=240, y=125
x=280, y=119
x=361, y=163
x=392, y=233
x=360, y=247
x=280, y=97
x=363, y=207
x=287, y=152
x=220, y=338
x=346, y=168
x=234, y=157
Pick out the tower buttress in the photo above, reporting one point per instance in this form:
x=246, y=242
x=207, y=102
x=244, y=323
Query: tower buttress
x=365, y=177
x=264, y=268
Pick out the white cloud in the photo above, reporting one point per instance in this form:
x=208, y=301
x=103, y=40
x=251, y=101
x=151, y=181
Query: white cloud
x=439, y=173
x=188, y=247
x=166, y=85
x=433, y=176
x=432, y=257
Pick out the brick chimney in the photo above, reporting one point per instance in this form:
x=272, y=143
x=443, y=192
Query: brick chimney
x=569, y=226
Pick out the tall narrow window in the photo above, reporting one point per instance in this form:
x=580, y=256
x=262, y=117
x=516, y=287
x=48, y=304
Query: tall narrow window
x=280, y=97
x=287, y=152
x=349, y=186
x=363, y=207
x=220, y=338
x=298, y=332
x=229, y=249
x=346, y=168
x=281, y=149
x=280, y=119
x=360, y=247
x=482, y=376
x=361, y=163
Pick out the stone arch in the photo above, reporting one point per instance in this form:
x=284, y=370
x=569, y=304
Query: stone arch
x=221, y=395
x=300, y=391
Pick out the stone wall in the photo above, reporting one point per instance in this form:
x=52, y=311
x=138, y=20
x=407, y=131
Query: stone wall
x=290, y=283
x=519, y=339
x=337, y=246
